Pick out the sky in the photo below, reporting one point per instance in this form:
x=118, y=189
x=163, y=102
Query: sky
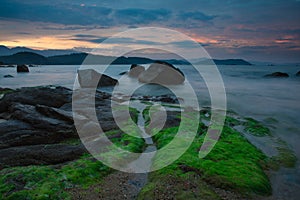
x=260, y=30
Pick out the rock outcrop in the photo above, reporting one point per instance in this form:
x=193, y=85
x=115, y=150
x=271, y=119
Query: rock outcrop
x=22, y=68
x=162, y=73
x=89, y=78
x=136, y=70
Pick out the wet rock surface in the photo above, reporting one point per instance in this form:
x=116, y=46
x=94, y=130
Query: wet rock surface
x=36, y=124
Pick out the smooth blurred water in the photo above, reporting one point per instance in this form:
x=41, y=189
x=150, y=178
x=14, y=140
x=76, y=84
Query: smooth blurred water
x=248, y=93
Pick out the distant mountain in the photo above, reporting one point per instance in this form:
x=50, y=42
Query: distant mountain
x=70, y=59
x=24, y=58
x=5, y=51
x=79, y=58
x=231, y=62
x=225, y=62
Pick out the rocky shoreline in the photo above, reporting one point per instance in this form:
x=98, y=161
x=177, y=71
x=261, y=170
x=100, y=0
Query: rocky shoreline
x=40, y=150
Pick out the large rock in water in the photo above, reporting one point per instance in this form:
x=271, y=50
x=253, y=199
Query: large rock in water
x=22, y=68
x=136, y=70
x=298, y=73
x=89, y=78
x=277, y=75
x=162, y=73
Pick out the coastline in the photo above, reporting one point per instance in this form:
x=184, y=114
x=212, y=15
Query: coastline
x=252, y=127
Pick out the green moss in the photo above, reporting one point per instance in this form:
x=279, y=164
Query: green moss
x=284, y=158
x=45, y=182
x=4, y=91
x=171, y=186
x=231, y=121
x=255, y=128
x=233, y=164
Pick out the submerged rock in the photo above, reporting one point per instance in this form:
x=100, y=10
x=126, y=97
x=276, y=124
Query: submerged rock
x=162, y=73
x=8, y=76
x=22, y=68
x=298, y=73
x=136, y=70
x=277, y=75
x=123, y=73
x=89, y=78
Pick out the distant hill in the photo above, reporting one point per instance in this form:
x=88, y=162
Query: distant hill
x=225, y=62
x=24, y=58
x=5, y=51
x=79, y=58
x=231, y=62
x=70, y=59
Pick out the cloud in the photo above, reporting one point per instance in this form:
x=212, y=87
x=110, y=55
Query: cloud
x=195, y=15
x=70, y=14
x=137, y=16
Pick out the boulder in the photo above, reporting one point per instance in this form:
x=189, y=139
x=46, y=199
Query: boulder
x=277, y=75
x=162, y=73
x=40, y=154
x=89, y=78
x=298, y=73
x=48, y=96
x=22, y=68
x=8, y=76
x=136, y=70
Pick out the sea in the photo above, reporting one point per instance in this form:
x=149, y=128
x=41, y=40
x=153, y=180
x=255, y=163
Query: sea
x=273, y=101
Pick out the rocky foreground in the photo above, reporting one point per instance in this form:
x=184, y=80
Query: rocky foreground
x=41, y=156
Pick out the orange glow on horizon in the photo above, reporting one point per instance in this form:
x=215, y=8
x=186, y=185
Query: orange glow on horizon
x=48, y=42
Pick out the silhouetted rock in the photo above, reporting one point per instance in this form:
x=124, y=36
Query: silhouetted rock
x=136, y=70
x=123, y=73
x=89, y=78
x=8, y=76
x=22, y=68
x=298, y=73
x=162, y=73
x=277, y=75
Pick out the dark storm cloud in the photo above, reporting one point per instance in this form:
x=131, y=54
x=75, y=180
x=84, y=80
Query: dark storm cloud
x=69, y=14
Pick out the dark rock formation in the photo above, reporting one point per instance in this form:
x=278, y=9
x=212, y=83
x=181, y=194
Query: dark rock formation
x=22, y=68
x=277, y=75
x=136, y=70
x=162, y=73
x=39, y=154
x=298, y=73
x=8, y=76
x=89, y=78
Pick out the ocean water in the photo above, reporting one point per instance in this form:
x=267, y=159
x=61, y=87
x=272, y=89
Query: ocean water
x=273, y=101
